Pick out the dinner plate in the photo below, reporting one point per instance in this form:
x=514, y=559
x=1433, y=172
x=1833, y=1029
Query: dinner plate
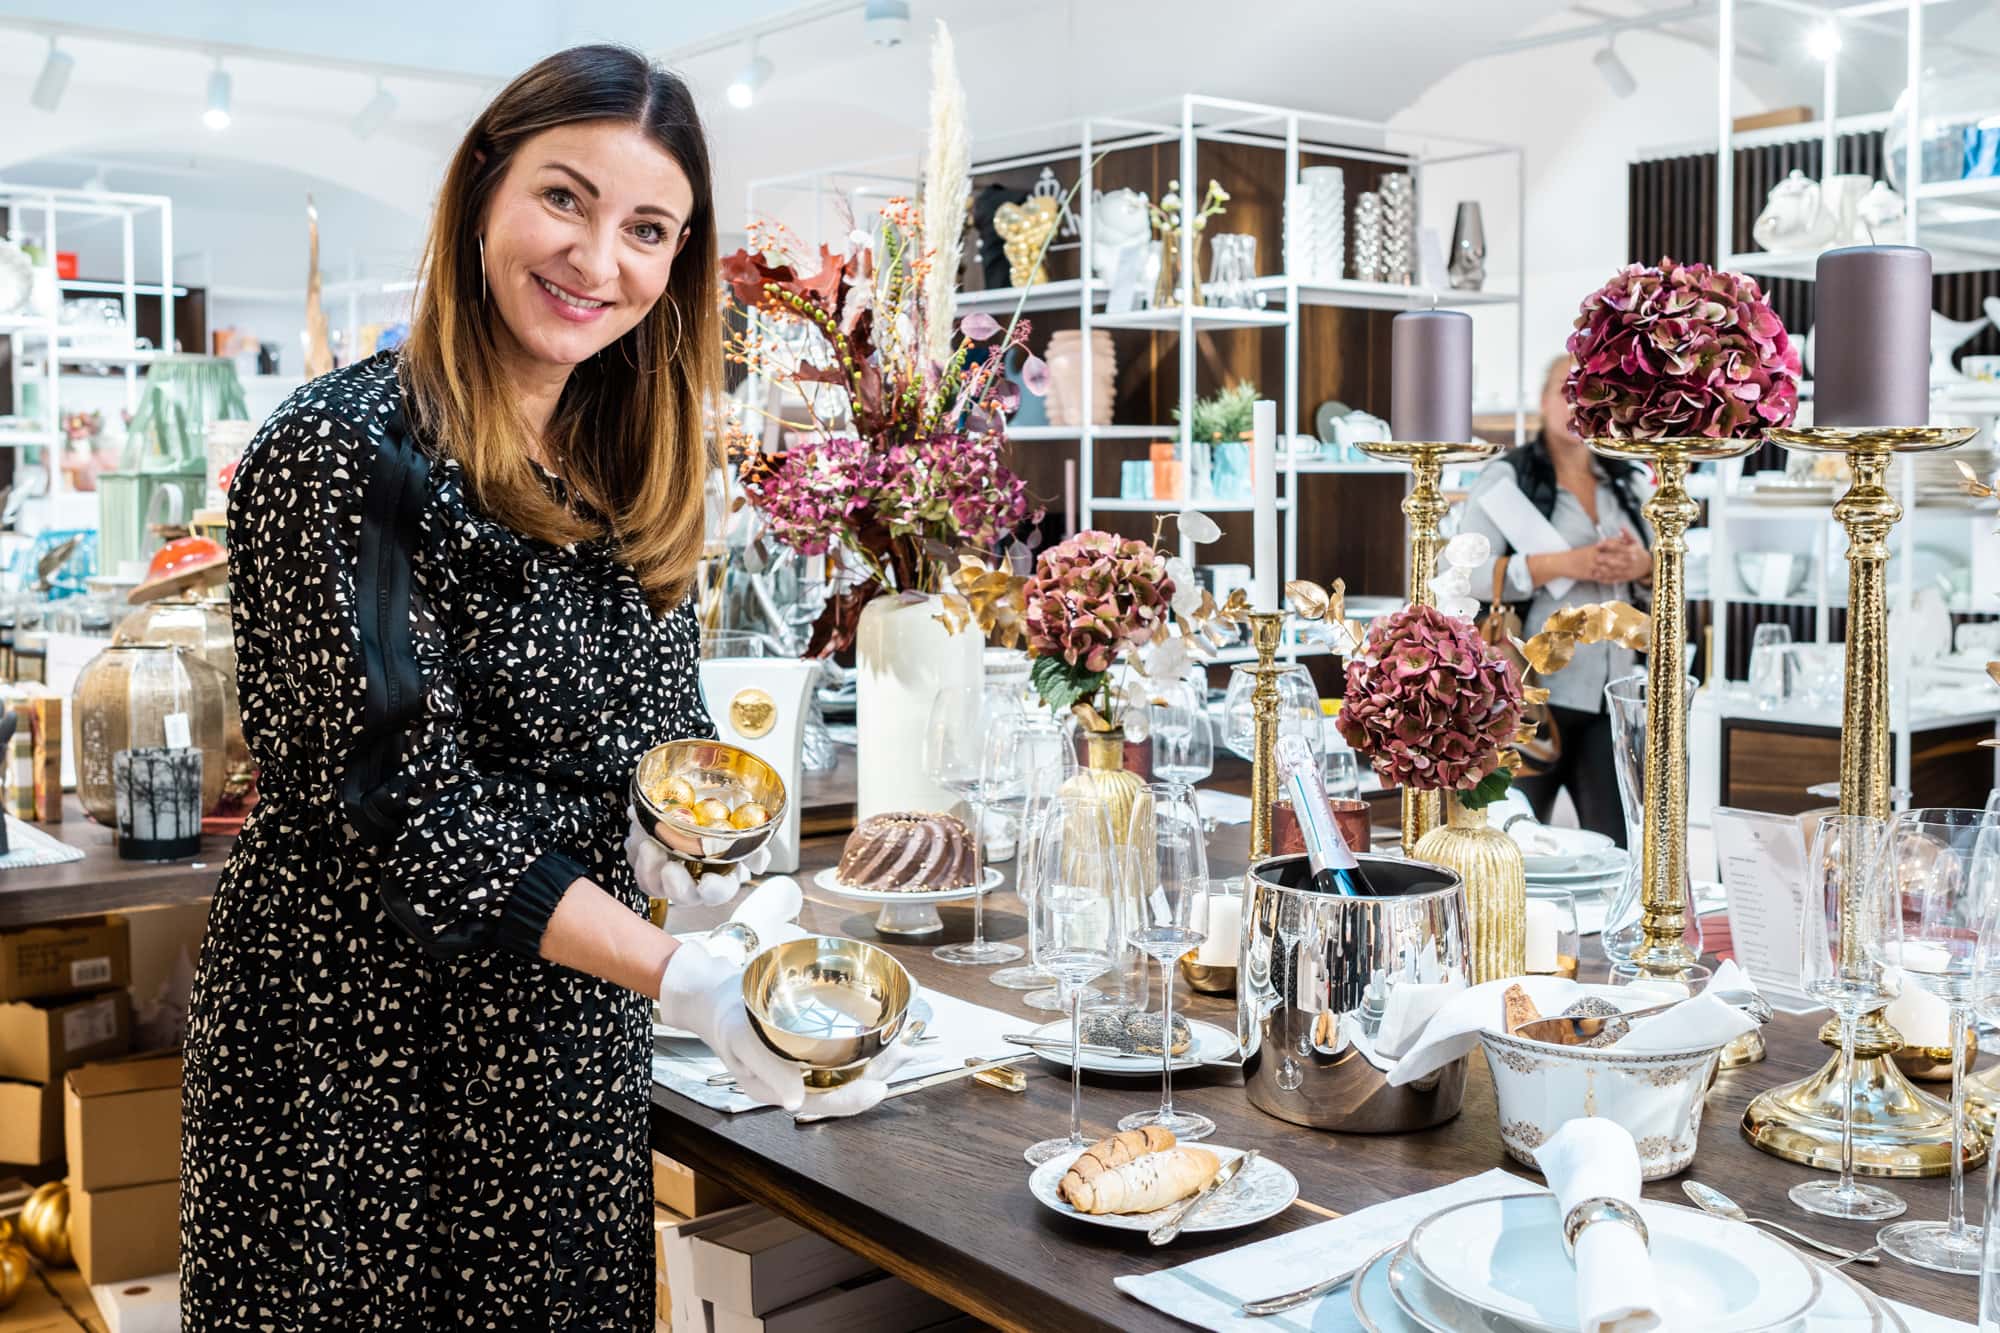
x=1504, y=1256
x=1559, y=849
x=1263, y=1190
x=1606, y=863
x=1211, y=1045
x=828, y=879
x=1375, y=1307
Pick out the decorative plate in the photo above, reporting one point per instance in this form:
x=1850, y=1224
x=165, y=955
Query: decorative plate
x=1211, y=1045
x=1262, y=1191
x=827, y=879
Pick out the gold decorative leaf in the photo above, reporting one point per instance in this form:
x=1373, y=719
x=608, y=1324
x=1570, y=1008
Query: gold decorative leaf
x=1574, y=626
x=1308, y=599
x=1089, y=716
x=1534, y=694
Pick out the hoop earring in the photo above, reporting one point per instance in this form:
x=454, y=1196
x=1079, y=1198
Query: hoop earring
x=482, y=269
x=678, y=332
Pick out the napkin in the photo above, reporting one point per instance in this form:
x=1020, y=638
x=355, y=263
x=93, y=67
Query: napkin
x=1454, y=1031
x=1616, y=1290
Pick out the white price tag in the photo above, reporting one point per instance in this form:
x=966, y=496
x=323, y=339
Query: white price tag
x=90, y=1025
x=179, y=736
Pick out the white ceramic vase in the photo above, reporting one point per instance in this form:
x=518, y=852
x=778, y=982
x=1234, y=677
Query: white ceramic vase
x=903, y=656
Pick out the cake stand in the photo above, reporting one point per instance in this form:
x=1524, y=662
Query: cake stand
x=906, y=912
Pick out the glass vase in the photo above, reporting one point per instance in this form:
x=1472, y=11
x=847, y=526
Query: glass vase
x=1625, y=701
x=1488, y=863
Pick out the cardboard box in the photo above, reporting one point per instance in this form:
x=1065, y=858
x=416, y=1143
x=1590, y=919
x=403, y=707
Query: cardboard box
x=42, y=1040
x=91, y=953
x=872, y=1303
x=687, y=1191
x=686, y=1312
x=122, y=1123
x=125, y=1233
x=766, y=1261
x=31, y=1123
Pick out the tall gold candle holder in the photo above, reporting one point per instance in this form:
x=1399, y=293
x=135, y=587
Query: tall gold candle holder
x=1424, y=506
x=1898, y=1130
x=1663, y=856
x=1265, y=628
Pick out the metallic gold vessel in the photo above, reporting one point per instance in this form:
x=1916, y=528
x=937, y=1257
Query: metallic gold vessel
x=1424, y=506
x=1898, y=1130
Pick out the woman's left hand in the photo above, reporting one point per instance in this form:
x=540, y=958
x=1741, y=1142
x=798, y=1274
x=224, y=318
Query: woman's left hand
x=663, y=875
x=1622, y=560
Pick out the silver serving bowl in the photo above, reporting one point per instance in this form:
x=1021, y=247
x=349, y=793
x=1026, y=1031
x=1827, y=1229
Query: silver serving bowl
x=828, y=1004
x=706, y=766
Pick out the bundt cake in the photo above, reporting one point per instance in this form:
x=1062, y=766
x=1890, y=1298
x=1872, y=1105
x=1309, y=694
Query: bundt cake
x=908, y=852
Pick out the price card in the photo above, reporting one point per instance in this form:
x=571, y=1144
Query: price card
x=179, y=735
x=1763, y=860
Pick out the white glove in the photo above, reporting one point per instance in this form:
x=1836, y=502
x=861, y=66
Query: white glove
x=864, y=1092
x=772, y=910
x=703, y=994
x=662, y=875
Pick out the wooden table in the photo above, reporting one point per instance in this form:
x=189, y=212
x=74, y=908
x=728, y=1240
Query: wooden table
x=932, y=1186
x=101, y=882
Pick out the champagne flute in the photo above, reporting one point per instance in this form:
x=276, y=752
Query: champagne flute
x=1846, y=850
x=956, y=748
x=1081, y=931
x=1168, y=860
x=1934, y=890
x=1029, y=759
x=1183, y=747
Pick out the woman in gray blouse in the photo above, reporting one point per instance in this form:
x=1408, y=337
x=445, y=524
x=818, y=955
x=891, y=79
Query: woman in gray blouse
x=1594, y=505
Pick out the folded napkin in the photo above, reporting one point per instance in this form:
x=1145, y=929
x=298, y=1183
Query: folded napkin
x=1454, y=1030
x=1207, y=1291
x=1616, y=1290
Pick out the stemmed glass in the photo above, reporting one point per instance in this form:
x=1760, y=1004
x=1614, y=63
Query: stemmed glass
x=957, y=746
x=1183, y=749
x=1168, y=859
x=1029, y=759
x=1298, y=710
x=1081, y=929
x=1846, y=851
x=1934, y=888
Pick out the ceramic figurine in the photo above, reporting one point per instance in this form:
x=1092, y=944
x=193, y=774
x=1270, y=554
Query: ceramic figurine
x=1792, y=218
x=1118, y=220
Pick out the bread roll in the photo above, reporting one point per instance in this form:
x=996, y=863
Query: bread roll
x=1108, y=1154
x=1144, y=1184
x=1518, y=1009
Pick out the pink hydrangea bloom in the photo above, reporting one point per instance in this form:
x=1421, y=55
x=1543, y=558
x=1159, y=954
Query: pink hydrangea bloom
x=1096, y=595
x=1429, y=702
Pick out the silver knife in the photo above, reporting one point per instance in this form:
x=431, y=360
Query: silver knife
x=933, y=1080
x=1292, y=1300
x=1167, y=1230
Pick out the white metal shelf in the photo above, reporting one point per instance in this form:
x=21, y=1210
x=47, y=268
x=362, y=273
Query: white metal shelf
x=1353, y=294
x=1167, y=319
x=1062, y=294
x=1113, y=504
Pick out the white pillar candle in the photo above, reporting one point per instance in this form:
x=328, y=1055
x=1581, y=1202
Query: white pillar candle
x=1922, y=1018
x=1264, y=527
x=1541, y=935
x=1225, y=929
x=1921, y=956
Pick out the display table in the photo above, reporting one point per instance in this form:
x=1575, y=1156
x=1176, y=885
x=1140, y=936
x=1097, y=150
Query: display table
x=101, y=882
x=932, y=1186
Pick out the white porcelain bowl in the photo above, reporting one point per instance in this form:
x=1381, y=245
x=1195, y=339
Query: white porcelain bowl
x=1655, y=1095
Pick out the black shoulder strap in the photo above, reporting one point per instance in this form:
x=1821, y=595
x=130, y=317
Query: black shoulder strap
x=391, y=528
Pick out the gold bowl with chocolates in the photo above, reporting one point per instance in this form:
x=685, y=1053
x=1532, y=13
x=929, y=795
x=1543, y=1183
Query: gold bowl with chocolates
x=709, y=804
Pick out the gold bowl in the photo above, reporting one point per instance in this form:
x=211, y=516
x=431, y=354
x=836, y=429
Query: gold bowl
x=706, y=766
x=1932, y=1064
x=829, y=1004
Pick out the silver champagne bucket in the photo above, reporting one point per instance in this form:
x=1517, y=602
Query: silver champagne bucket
x=1333, y=990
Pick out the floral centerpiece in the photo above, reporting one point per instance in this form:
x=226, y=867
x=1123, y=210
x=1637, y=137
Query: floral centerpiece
x=1677, y=351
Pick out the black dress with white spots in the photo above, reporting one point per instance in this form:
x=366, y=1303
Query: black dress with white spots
x=396, y=1115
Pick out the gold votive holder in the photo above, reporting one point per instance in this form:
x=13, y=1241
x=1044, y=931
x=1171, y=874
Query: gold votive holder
x=1932, y=1064
x=1207, y=978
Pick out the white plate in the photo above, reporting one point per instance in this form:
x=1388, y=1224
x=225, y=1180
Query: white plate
x=1263, y=1190
x=1505, y=1257
x=1566, y=847
x=1608, y=863
x=1375, y=1308
x=1211, y=1045
x=825, y=879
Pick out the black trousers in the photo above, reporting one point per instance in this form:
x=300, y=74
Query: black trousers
x=1585, y=767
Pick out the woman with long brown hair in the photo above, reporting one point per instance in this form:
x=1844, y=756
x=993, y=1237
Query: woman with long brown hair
x=418, y=1062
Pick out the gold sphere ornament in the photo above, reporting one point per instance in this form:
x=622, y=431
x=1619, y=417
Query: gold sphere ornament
x=14, y=1271
x=1025, y=229
x=45, y=1224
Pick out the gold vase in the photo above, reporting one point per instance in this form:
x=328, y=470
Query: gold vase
x=1496, y=887
x=1129, y=808
x=123, y=696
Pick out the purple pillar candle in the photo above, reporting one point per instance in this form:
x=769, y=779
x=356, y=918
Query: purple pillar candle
x=1430, y=370
x=1872, y=337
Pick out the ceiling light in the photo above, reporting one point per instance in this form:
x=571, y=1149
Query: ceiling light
x=887, y=21
x=1823, y=42
x=376, y=113
x=1616, y=74
x=49, y=84
x=743, y=89
x=216, y=117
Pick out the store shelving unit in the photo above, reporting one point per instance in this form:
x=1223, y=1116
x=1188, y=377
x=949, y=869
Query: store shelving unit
x=38, y=340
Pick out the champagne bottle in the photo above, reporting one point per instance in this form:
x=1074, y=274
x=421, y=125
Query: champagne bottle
x=1334, y=869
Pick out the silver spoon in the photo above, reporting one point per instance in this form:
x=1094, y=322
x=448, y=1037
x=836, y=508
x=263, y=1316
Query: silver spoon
x=1712, y=1200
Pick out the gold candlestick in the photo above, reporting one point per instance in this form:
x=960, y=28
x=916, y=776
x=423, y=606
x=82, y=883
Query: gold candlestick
x=1898, y=1130
x=1662, y=950
x=1424, y=506
x=1265, y=628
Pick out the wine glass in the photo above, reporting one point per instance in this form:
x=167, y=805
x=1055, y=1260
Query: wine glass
x=1183, y=749
x=1029, y=760
x=1080, y=933
x=1934, y=888
x=1340, y=769
x=1168, y=860
x=957, y=750
x=1298, y=710
x=1846, y=851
